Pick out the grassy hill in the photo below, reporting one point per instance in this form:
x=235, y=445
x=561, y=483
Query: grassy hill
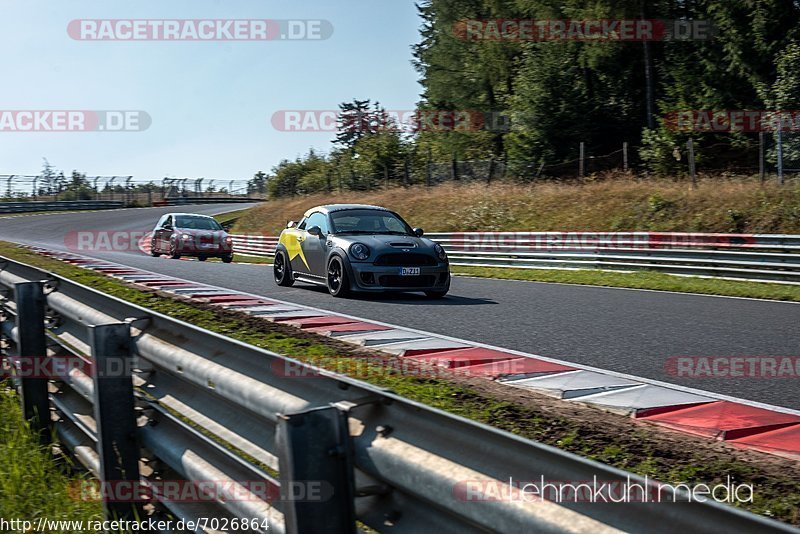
x=614, y=204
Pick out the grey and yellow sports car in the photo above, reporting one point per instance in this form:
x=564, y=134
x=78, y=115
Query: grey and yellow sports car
x=351, y=247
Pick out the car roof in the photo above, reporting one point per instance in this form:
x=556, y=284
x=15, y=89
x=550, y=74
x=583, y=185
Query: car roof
x=190, y=215
x=328, y=208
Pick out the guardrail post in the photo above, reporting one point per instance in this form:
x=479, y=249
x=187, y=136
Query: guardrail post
x=316, y=472
x=115, y=417
x=32, y=353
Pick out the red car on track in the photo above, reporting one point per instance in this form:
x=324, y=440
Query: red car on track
x=188, y=234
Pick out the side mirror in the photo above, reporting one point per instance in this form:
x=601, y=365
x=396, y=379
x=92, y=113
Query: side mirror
x=315, y=230
x=291, y=224
x=418, y=232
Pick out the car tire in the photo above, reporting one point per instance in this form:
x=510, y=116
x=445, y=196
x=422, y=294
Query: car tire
x=227, y=258
x=282, y=270
x=173, y=251
x=201, y=258
x=153, y=251
x=338, y=284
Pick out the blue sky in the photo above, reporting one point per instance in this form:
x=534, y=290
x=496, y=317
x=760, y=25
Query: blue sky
x=210, y=102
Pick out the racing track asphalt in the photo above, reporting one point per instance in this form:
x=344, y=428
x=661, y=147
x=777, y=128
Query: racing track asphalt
x=627, y=331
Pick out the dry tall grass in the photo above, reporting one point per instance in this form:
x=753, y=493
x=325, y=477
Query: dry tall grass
x=611, y=204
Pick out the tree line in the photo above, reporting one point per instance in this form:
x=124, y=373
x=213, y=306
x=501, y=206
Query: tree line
x=553, y=94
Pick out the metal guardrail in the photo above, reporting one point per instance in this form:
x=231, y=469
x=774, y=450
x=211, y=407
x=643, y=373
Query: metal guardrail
x=180, y=201
x=759, y=257
x=254, y=245
x=750, y=256
x=65, y=205
x=203, y=407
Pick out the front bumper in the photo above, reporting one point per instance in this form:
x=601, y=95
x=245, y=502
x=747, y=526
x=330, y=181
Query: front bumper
x=191, y=248
x=369, y=277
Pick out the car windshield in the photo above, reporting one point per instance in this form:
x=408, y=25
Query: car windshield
x=368, y=222
x=188, y=222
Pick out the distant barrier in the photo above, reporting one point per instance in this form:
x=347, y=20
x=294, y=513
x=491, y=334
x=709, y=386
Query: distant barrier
x=61, y=205
x=180, y=201
x=254, y=244
x=767, y=257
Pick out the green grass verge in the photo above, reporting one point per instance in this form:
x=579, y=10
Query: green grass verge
x=228, y=219
x=641, y=280
x=607, y=438
x=34, y=483
x=244, y=258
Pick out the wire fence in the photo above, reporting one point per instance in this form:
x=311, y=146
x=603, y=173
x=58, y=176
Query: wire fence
x=747, y=157
x=21, y=188
x=769, y=155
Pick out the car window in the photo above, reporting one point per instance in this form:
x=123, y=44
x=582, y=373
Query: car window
x=318, y=219
x=168, y=222
x=369, y=221
x=394, y=224
x=190, y=222
x=302, y=225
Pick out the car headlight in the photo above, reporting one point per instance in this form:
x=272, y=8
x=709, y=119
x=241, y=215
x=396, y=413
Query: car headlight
x=186, y=237
x=228, y=240
x=359, y=251
x=440, y=251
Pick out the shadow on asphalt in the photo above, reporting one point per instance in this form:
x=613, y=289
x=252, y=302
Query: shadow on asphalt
x=406, y=298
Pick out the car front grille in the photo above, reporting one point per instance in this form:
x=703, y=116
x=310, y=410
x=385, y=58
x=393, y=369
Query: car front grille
x=393, y=280
x=405, y=260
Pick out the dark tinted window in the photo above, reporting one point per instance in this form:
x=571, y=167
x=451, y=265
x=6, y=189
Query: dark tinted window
x=368, y=222
x=196, y=223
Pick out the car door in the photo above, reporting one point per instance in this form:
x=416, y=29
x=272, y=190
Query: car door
x=292, y=239
x=314, y=246
x=155, y=240
x=165, y=233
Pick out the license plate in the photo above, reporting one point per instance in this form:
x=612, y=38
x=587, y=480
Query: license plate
x=409, y=271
